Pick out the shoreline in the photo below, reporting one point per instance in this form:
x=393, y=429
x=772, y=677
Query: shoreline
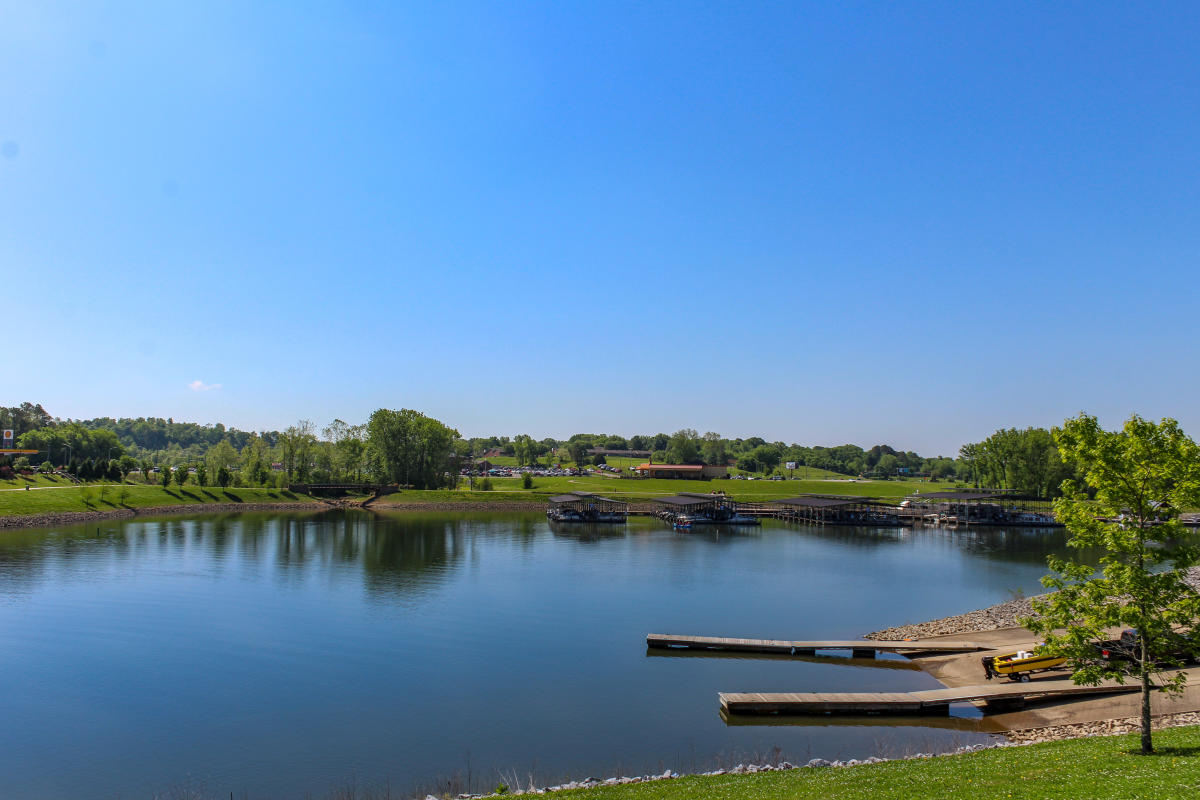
x=49, y=518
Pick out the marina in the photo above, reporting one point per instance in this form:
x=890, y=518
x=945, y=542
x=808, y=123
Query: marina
x=691, y=508
x=586, y=507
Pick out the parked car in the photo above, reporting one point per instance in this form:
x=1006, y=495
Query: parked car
x=1128, y=647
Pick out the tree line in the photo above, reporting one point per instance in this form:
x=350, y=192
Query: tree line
x=410, y=448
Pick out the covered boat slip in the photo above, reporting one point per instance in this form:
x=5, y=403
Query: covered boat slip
x=700, y=509
x=979, y=507
x=833, y=510
x=586, y=507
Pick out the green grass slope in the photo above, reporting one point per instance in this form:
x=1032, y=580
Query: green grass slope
x=52, y=496
x=640, y=490
x=1099, y=768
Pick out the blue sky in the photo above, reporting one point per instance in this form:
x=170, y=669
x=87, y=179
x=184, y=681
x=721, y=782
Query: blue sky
x=820, y=223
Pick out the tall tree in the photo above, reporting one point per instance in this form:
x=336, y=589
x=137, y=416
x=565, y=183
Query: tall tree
x=410, y=448
x=577, y=450
x=683, y=447
x=297, y=444
x=1141, y=476
x=713, y=449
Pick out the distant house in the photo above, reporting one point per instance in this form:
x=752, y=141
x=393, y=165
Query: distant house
x=277, y=466
x=494, y=452
x=696, y=472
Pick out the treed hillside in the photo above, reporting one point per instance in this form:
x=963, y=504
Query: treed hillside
x=145, y=437
x=1024, y=460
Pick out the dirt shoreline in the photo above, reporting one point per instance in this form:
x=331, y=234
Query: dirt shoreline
x=500, y=505
x=50, y=518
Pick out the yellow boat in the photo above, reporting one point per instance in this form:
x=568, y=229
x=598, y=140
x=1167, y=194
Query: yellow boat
x=1018, y=666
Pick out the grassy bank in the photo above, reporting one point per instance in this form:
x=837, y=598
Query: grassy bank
x=1099, y=767
x=509, y=489
x=48, y=496
x=52, y=494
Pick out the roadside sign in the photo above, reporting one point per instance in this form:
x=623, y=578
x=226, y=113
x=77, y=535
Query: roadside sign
x=8, y=437
x=790, y=465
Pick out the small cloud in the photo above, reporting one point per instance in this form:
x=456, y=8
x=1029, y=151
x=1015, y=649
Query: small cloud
x=201, y=386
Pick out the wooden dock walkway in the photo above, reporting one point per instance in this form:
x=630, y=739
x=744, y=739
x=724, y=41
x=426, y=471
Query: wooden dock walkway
x=935, y=701
x=859, y=648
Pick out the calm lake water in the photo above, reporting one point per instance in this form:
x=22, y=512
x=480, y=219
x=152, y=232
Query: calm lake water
x=285, y=656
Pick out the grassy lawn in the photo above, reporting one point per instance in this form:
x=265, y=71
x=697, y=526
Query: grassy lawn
x=101, y=496
x=627, y=464
x=1099, y=767
x=509, y=489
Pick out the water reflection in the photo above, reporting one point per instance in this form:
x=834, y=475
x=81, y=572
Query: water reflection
x=277, y=654
x=405, y=553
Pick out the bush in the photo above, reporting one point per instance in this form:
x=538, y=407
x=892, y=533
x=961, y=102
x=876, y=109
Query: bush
x=21, y=463
x=46, y=467
x=484, y=484
x=164, y=477
x=526, y=481
x=181, y=475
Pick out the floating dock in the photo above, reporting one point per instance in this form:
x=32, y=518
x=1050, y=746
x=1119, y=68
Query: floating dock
x=859, y=648
x=932, y=701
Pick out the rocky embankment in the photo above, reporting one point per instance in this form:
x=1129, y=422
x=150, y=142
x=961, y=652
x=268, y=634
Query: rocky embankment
x=992, y=618
x=79, y=517
x=1106, y=727
x=498, y=505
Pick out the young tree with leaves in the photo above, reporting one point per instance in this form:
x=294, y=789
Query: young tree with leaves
x=1141, y=476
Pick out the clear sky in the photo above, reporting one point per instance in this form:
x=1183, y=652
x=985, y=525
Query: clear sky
x=909, y=223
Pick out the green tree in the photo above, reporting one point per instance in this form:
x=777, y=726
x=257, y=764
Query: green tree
x=297, y=443
x=202, y=476
x=128, y=464
x=577, y=450
x=768, y=456
x=256, y=462
x=164, y=476
x=713, y=449
x=410, y=448
x=683, y=447
x=224, y=476
x=1141, y=477
x=181, y=474
x=221, y=454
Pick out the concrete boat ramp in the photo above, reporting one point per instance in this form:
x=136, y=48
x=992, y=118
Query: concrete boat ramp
x=995, y=696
